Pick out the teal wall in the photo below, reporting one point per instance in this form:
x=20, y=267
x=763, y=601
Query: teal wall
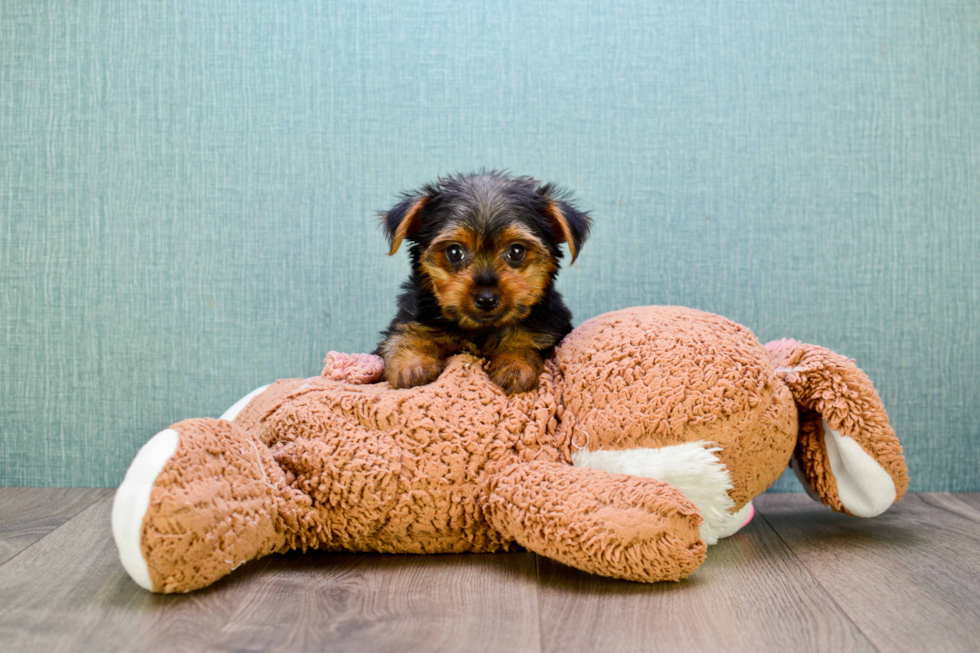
x=187, y=191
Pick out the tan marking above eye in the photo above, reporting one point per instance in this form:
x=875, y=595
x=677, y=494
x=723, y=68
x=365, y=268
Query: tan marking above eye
x=455, y=234
x=519, y=234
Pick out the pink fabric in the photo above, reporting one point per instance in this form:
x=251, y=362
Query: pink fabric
x=353, y=368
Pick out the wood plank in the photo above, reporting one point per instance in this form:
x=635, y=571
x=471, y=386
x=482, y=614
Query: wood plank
x=374, y=602
x=69, y=592
x=966, y=505
x=29, y=513
x=910, y=578
x=750, y=595
x=799, y=576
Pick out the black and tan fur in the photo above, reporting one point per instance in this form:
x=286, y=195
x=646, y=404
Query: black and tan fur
x=485, y=253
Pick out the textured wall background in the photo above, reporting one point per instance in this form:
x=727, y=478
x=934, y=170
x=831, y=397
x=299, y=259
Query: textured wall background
x=187, y=192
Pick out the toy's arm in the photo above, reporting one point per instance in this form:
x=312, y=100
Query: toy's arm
x=200, y=499
x=353, y=368
x=614, y=525
x=847, y=454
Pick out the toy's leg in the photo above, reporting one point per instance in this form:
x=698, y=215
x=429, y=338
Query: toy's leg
x=694, y=468
x=200, y=499
x=133, y=499
x=847, y=455
x=614, y=525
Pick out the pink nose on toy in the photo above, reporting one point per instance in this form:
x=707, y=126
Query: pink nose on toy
x=751, y=515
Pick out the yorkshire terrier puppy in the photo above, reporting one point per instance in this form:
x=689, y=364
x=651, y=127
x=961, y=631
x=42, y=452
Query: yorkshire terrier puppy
x=484, y=258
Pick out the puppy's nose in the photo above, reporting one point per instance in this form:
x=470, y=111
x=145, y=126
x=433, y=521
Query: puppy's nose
x=486, y=299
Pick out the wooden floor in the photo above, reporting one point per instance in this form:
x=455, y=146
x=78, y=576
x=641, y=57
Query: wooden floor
x=799, y=578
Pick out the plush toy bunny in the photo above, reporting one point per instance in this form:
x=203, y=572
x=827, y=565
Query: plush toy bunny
x=651, y=431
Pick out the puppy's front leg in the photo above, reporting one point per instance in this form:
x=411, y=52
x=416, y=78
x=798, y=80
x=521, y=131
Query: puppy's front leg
x=414, y=355
x=516, y=371
x=515, y=359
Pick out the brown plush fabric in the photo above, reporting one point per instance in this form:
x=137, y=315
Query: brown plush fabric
x=656, y=376
x=829, y=386
x=338, y=462
x=611, y=524
x=353, y=467
x=812, y=461
x=410, y=467
x=216, y=504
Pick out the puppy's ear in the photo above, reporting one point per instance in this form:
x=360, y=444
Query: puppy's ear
x=570, y=225
x=402, y=220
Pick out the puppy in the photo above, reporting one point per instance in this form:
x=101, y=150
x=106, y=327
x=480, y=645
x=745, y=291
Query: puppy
x=484, y=258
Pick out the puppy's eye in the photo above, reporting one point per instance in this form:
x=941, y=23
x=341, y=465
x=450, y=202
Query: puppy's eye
x=455, y=253
x=515, y=253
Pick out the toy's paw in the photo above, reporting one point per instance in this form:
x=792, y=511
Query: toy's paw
x=133, y=500
x=199, y=499
x=514, y=373
x=847, y=455
x=353, y=368
x=734, y=522
x=616, y=525
x=410, y=371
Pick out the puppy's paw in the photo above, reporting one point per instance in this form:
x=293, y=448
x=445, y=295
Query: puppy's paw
x=412, y=370
x=515, y=372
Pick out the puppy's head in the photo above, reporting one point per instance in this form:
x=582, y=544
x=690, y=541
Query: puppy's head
x=486, y=245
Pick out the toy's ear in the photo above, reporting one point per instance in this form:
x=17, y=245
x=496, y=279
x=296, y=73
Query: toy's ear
x=402, y=220
x=570, y=225
x=847, y=455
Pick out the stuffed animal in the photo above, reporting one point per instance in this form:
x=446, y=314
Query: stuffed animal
x=650, y=432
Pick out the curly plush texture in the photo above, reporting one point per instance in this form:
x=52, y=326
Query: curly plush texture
x=829, y=387
x=689, y=404
x=313, y=463
x=611, y=524
x=654, y=377
x=220, y=501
